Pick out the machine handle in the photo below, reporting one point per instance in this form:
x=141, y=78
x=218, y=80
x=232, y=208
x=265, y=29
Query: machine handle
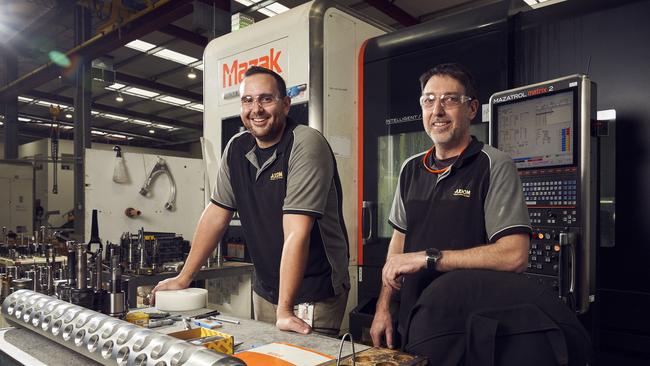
x=367, y=211
x=568, y=243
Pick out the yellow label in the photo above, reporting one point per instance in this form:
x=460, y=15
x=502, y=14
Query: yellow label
x=462, y=192
x=277, y=175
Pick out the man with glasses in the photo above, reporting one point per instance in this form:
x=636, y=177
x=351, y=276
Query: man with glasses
x=458, y=205
x=282, y=179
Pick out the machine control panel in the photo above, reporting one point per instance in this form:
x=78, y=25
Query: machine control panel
x=546, y=129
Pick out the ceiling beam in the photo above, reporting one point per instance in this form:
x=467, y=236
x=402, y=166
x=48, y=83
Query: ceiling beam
x=394, y=12
x=115, y=110
x=142, y=23
x=165, y=89
x=185, y=35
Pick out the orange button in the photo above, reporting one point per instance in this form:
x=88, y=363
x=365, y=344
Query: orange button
x=556, y=248
x=540, y=235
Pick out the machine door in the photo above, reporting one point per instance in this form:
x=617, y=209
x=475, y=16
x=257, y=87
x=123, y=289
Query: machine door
x=393, y=131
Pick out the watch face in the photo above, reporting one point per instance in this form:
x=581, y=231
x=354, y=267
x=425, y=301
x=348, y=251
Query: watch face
x=433, y=255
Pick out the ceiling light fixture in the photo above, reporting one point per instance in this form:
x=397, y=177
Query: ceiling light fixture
x=152, y=131
x=535, y=4
x=191, y=74
x=119, y=98
x=68, y=115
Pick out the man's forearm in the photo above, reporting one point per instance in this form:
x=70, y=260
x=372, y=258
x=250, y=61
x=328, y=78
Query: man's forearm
x=209, y=230
x=294, y=258
x=509, y=253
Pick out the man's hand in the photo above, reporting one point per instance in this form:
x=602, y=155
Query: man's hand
x=382, y=326
x=288, y=321
x=174, y=283
x=400, y=264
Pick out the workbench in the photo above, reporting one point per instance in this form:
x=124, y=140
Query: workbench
x=19, y=346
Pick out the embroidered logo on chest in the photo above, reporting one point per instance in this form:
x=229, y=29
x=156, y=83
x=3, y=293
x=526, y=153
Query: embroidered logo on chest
x=277, y=175
x=462, y=192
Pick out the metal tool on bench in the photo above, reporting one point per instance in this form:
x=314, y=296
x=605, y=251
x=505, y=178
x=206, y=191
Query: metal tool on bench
x=104, y=339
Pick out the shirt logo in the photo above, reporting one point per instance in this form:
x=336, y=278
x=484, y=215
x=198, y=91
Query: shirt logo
x=462, y=192
x=277, y=175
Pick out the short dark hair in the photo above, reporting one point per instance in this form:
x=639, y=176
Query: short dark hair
x=279, y=81
x=455, y=71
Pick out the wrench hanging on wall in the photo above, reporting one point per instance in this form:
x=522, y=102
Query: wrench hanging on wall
x=160, y=168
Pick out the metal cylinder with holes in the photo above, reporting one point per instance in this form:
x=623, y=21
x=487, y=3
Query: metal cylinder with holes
x=107, y=340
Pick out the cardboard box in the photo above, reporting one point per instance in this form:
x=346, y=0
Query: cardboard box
x=226, y=344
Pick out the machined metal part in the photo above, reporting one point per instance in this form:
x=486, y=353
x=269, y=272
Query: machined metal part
x=161, y=168
x=82, y=275
x=104, y=339
x=72, y=264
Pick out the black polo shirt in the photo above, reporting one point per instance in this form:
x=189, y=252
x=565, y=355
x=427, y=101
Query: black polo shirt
x=477, y=201
x=300, y=177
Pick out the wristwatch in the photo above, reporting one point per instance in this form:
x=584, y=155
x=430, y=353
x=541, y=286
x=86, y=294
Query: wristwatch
x=433, y=256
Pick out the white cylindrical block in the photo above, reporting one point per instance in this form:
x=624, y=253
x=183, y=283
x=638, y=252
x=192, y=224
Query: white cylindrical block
x=181, y=300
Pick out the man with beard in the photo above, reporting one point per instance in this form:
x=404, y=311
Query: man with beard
x=282, y=179
x=458, y=205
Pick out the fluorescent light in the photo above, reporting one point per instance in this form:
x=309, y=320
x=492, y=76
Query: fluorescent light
x=140, y=122
x=112, y=116
x=25, y=99
x=43, y=103
x=277, y=8
x=140, y=45
x=142, y=93
x=267, y=12
x=196, y=107
x=199, y=66
x=94, y=113
x=172, y=100
x=607, y=115
x=117, y=135
x=536, y=4
x=98, y=133
x=175, y=56
x=23, y=119
x=166, y=127
x=67, y=127
x=115, y=86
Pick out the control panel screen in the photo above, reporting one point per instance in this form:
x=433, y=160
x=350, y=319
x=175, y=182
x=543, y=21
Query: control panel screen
x=538, y=132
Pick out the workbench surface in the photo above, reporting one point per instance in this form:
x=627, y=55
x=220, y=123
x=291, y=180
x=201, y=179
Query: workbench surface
x=24, y=347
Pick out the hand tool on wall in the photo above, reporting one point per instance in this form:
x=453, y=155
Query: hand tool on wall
x=161, y=168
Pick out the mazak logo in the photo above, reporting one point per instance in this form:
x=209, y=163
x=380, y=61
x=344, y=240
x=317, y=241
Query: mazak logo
x=277, y=176
x=462, y=192
x=233, y=73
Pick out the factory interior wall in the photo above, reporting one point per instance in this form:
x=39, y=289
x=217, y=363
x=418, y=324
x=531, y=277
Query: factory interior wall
x=64, y=199
x=615, y=40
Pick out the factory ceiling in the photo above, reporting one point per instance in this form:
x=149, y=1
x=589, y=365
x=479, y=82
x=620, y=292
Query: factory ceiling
x=147, y=74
